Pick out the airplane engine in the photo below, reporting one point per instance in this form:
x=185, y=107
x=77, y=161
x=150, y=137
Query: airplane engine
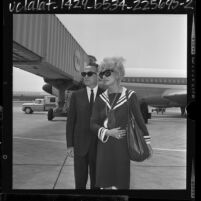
x=61, y=109
x=63, y=92
x=48, y=88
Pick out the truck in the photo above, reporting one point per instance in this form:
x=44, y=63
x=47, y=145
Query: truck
x=45, y=104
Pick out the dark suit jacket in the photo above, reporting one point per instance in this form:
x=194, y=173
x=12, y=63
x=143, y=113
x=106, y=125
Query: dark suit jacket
x=78, y=133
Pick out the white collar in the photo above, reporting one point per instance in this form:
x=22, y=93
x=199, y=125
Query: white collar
x=122, y=99
x=123, y=93
x=95, y=89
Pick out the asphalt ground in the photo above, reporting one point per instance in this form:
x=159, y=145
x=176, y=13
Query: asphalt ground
x=39, y=151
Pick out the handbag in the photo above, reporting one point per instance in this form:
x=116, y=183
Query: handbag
x=137, y=147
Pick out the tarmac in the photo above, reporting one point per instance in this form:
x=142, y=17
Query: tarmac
x=39, y=152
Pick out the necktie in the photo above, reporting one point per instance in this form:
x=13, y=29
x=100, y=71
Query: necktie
x=91, y=100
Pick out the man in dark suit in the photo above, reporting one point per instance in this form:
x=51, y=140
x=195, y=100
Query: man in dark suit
x=144, y=110
x=81, y=142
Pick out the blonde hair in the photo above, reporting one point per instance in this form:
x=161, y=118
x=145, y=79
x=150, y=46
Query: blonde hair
x=113, y=63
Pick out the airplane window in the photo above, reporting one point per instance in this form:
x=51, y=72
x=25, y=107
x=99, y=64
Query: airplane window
x=183, y=81
x=38, y=101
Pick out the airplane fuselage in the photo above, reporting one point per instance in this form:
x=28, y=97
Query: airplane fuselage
x=157, y=91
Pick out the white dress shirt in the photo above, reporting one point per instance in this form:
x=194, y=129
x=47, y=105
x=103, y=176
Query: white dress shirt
x=95, y=89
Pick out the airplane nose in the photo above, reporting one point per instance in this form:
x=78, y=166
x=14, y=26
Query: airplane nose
x=47, y=88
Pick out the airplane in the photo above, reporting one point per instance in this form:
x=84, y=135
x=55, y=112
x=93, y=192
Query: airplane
x=158, y=87
x=159, y=91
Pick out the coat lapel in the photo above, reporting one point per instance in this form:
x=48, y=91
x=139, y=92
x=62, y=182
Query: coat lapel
x=122, y=99
x=85, y=96
x=99, y=91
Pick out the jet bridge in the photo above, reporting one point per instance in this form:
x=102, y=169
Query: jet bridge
x=44, y=47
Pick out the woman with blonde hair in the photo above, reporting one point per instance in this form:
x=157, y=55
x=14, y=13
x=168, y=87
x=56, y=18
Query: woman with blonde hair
x=109, y=120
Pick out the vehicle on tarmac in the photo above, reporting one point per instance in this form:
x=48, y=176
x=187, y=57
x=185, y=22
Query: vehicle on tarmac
x=45, y=104
x=157, y=110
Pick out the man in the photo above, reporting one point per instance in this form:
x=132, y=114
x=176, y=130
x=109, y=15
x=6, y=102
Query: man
x=144, y=110
x=81, y=142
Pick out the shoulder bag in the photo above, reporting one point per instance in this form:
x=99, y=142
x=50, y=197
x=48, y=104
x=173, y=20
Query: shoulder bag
x=137, y=147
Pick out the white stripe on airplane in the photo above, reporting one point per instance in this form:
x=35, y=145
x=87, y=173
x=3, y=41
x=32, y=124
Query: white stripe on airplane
x=148, y=85
x=155, y=80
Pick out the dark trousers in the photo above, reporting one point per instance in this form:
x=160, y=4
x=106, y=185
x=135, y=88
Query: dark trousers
x=145, y=120
x=84, y=165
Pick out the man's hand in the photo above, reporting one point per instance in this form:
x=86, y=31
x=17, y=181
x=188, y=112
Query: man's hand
x=150, y=151
x=70, y=152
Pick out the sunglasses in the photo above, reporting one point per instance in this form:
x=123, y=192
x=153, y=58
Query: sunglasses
x=89, y=74
x=107, y=73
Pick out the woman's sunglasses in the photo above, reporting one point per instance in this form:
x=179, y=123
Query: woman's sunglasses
x=107, y=73
x=89, y=74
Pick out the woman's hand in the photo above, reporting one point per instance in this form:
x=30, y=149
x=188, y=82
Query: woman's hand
x=117, y=133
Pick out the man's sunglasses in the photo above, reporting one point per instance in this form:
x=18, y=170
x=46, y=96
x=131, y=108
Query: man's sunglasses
x=89, y=74
x=107, y=73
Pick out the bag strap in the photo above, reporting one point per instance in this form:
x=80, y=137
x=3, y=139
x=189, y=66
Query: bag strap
x=127, y=95
x=127, y=103
x=130, y=112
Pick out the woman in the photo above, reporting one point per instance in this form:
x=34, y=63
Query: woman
x=109, y=120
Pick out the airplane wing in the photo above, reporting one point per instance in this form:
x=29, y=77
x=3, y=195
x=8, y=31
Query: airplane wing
x=177, y=96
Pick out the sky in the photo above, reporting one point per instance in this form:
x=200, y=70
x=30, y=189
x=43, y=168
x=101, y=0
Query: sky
x=148, y=43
